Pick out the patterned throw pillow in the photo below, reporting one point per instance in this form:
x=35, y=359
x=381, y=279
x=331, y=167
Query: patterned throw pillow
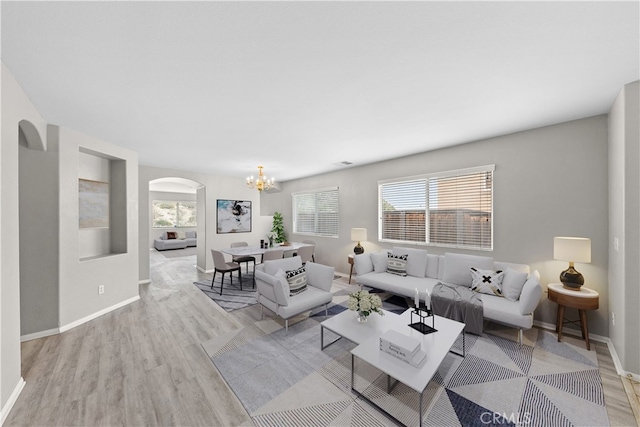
x=397, y=264
x=172, y=235
x=297, y=281
x=487, y=281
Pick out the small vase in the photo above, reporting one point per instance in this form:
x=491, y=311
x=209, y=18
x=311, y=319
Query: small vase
x=362, y=317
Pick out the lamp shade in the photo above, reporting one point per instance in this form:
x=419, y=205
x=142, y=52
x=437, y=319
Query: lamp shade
x=358, y=234
x=572, y=249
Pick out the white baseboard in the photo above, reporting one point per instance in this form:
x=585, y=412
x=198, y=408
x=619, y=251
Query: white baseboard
x=202, y=270
x=98, y=314
x=572, y=332
x=144, y=282
x=594, y=337
x=41, y=334
x=12, y=400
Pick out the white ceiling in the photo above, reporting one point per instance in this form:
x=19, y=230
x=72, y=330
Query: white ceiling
x=222, y=87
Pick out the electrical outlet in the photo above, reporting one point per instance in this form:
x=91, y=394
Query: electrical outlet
x=613, y=319
x=100, y=289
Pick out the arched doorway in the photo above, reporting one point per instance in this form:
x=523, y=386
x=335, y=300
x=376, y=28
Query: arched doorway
x=38, y=234
x=177, y=205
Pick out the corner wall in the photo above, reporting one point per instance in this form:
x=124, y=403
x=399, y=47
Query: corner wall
x=548, y=182
x=624, y=226
x=15, y=107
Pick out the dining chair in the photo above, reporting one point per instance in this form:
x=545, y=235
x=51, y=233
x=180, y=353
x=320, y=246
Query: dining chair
x=311, y=242
x=272, y=254
x=306, y=253
x=243, y=258
x=222, y=266
x=313, y=255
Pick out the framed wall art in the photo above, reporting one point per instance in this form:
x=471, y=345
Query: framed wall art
x=93, y=203
x=233, y=216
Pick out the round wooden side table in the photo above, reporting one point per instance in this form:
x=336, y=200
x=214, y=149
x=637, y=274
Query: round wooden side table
x=583, y=299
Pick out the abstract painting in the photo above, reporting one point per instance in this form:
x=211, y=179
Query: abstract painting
x=93, y=198
x=233, y=216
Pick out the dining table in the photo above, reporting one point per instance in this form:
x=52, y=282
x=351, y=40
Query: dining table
x=257, y=250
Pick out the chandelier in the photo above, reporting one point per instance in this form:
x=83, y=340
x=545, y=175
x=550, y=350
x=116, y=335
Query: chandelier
x=262, y=183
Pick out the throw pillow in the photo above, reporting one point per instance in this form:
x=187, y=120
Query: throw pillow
x=172, y=235
x=487, y=281
x=363, y=264
x=297, y=281
x=397, y=264
x=379, y=262
x=512, y=284
x=416, y=260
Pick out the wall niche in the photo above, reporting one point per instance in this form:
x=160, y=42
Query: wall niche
x=102, y=208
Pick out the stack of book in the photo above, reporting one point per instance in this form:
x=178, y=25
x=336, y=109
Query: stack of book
x=402, y=347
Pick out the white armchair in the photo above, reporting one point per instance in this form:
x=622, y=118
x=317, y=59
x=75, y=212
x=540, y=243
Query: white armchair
x=272, y=287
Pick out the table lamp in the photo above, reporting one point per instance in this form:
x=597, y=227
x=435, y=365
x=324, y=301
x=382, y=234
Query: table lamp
x=357, y=235
x=572, y=249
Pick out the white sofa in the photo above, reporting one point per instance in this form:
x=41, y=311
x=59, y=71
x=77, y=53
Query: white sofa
x=521, y=288
x=272, y=287
x=162, y=243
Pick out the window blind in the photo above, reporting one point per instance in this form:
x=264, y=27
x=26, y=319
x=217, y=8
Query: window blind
x=452, y=209
x=316, y=212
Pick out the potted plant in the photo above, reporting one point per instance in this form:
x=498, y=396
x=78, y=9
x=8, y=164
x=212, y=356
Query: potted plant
x=278, y=228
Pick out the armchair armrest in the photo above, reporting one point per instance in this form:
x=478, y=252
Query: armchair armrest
x=274, y=288
x=319, y=276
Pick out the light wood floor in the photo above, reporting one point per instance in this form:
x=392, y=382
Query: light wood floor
x=143, y=364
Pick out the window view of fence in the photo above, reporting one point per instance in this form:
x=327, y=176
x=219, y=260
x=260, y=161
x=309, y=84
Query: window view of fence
x=169, y=214
x=452, y=210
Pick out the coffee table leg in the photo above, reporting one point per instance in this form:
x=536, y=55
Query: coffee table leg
x=322, y=346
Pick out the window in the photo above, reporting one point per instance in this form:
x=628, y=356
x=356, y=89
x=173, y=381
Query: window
x=453, y=209
x=316, y=212
x=167, y=214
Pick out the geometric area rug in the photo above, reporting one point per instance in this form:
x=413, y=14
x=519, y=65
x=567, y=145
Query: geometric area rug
x=286, y=379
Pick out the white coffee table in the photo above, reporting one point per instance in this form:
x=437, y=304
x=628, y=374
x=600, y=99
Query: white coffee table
x=346, y=326
x=367, y=336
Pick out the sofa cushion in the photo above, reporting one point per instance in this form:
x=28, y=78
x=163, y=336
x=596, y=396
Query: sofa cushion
x=379, y=260
x=457, y=267
x=305, y=301
x=363, y=263
x=416, y=260
x=503, y=311
x=487, y=281
x=190, y=234
x=297, y=281
x=271, y=266
x=432, y=266
x=404, y=286
x=172, y=235
x=397, y=264
x=320, y=276
x=512, y=283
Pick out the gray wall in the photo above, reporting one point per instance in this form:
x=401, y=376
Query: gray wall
x=624, y=225
x=549, y=182
x=38, y=241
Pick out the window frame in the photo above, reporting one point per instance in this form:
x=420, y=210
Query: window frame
x=177, y=204
x=316, y=221
x=428, y=210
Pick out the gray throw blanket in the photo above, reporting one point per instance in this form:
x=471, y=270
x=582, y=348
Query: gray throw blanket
x=458, y=303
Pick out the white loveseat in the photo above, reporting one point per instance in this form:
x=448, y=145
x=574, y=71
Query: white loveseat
x=273, y=290
x=163, y=243
x=521, y=288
